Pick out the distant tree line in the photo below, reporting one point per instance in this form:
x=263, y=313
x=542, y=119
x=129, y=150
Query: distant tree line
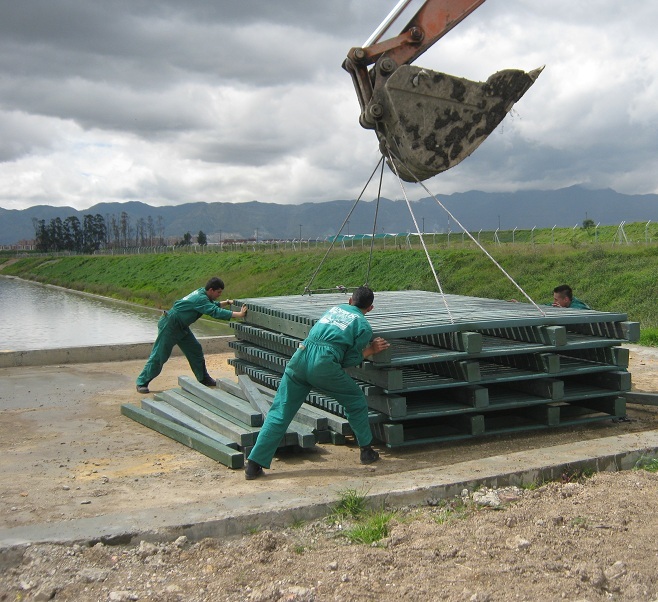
x=96, y=232
x=201, y=239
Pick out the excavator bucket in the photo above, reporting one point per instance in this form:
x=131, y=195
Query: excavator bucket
x=429, y=122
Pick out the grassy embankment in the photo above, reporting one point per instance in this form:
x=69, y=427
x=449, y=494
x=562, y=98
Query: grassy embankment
x=621, y=279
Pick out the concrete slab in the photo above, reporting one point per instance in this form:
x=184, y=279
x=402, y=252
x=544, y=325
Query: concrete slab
x=72, y=469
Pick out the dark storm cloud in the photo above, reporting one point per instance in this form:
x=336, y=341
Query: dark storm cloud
x=238, y=100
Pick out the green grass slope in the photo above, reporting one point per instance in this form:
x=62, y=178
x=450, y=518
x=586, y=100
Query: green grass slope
x=619, y=279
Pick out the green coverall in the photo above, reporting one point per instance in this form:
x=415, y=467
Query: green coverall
x=174, y=329
x=336, y=341
x=578, y=304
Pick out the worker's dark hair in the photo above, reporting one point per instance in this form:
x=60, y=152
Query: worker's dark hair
x=215, y=284
x=363, y=297
x=564, y=290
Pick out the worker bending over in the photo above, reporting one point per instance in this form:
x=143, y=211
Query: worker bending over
x=340, y=339
x=174, y=329
x=563, y=297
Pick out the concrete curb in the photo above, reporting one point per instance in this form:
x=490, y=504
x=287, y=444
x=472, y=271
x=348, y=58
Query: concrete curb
x=100, y=353
x=225, y=517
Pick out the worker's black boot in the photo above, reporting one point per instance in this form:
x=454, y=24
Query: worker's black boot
x=142, y=388
x=252, y=470
x=368, y=455
x=209, y=381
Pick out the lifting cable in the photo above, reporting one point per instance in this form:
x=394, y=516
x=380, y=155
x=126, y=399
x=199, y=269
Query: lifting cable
x=422, y=239
x=307, y=288
x=389, y=157
x=464, y=230
x=374, y=224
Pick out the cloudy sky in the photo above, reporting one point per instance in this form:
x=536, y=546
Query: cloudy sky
x=173, y=101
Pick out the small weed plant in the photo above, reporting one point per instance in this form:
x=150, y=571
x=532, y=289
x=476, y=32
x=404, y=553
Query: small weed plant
x=364, y=526
x=371, y=528
x=297, y=523
x=532, y=485
x=650, y=464
x=580, y=522
x=453, y=509
x=351, y=504
x=576, y=475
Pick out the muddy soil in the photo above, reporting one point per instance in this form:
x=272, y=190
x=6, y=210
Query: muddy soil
x=593, y=540
x=65, y=453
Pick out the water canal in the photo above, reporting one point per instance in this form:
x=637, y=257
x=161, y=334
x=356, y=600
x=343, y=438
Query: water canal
x=37, y=316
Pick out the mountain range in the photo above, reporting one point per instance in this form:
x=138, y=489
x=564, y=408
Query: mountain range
x=476, y=210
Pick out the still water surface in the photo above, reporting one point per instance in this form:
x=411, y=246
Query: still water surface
x=35, y=316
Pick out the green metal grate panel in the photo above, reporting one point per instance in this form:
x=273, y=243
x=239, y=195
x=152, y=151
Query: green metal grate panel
x=400, y=314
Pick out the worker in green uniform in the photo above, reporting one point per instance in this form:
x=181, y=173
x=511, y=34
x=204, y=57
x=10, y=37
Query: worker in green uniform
x=340, y=339
x=563, y=297
x=174, y=329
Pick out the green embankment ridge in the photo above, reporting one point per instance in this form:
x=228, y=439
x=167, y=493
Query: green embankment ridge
x=621, y=279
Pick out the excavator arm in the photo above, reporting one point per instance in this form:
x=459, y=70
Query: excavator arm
x=426, y=121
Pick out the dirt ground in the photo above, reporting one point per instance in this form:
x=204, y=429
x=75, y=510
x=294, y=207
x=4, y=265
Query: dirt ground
x=62, y=457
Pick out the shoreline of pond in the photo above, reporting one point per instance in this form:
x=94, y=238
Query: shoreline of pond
x=91, y=354
x=40, y=317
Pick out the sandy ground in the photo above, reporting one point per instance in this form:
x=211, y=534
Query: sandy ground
x=66, y=452
x=63, y=442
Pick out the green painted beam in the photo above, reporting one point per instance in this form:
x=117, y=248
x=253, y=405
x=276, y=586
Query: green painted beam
x=208, y=447
x=640, y=398
x=622, y=330
x=227, y=403
x=243, y=435
x=614, y=407
x=165, y=410
x=336, y=421
x=253, y=395
x=549, y=388
x=307, y=414
x=461, y=370
x=231, y=387
x=618, y=381
x=393, y=406
x=580, y=390
x=474, y=396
